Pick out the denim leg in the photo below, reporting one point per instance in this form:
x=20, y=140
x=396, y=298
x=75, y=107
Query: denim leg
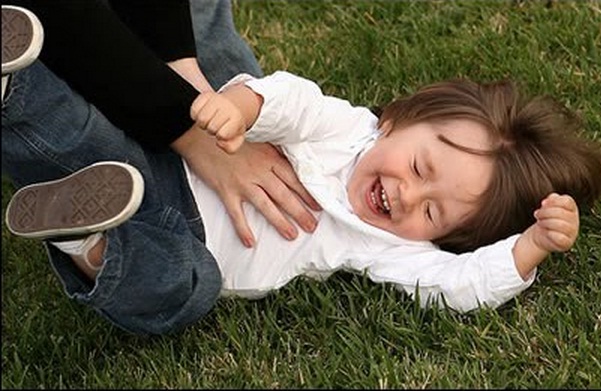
x=158, y=275
x=222, y=53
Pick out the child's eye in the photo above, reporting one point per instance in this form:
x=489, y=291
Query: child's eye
x=429, y=213
x=415, y=169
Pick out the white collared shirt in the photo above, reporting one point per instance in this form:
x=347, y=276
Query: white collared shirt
x=323, y=137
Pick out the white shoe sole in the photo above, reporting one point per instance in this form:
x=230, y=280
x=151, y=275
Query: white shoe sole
x=22, y=38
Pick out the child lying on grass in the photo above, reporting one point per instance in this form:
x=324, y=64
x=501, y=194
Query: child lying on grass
x=459, y=191
x=458, y=164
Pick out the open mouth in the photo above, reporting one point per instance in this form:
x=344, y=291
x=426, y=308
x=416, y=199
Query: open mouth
x=378, y=197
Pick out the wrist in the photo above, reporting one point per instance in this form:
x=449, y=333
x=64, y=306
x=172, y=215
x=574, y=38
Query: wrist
x=188, y=69
x=527, y=254
x=189, y=142
x=247, y=101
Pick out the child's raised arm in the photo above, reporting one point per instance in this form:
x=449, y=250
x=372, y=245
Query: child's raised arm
x=491, y=275
x=555, y=230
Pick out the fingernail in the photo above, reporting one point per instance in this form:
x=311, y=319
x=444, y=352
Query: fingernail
x=290, y=234
x=309, y=226
x=248, y=242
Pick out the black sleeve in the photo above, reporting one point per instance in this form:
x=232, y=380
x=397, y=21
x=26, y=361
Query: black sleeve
x=164, y=25
x=88, y=45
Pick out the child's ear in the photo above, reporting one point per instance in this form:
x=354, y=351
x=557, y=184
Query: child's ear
x=386, y=127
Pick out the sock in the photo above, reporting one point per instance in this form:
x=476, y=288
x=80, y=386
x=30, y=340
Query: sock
x=80, y=247
x=5, y=80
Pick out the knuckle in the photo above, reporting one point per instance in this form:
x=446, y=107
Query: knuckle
x=262, y=203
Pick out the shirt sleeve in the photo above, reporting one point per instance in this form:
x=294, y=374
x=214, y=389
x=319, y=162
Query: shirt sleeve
x=88, y=46
x=164, y=25
x=485, y=277
x=296, y=110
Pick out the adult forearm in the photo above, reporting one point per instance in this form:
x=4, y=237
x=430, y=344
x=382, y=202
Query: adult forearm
x=188, y=69
x=165, y=26
x=114, y=70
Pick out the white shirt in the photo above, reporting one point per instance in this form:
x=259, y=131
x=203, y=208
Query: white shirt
x=323, y=137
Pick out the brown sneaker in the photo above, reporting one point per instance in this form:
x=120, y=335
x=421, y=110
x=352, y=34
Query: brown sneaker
x=93, y=199
x=22, y=38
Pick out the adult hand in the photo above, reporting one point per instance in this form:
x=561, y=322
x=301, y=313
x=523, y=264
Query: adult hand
x=257, y=174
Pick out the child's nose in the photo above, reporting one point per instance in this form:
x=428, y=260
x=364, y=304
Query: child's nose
x=410, y=196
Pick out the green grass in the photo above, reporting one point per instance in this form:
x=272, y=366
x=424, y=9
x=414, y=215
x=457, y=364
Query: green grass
x=348, y=332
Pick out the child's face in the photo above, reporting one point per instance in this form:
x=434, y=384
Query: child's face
x=418, y=187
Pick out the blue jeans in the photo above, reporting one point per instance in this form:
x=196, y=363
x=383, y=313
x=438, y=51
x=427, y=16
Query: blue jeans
x=221, y=51
x=158, y=275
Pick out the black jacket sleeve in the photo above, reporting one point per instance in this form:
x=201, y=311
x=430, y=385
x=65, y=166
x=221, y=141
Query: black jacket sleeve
x=91, y=48
x=164, y=25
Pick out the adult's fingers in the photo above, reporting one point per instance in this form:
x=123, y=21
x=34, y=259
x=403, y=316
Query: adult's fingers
x=287, y=195
x=233, y=206
x=263, y=202
x=284, y=172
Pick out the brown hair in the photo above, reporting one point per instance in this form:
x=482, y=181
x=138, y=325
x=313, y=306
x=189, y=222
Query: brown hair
x=536, y=149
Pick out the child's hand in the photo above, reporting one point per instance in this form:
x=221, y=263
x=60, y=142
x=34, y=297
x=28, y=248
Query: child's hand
x=221, y=118
x=555, y=230
x=557, y=223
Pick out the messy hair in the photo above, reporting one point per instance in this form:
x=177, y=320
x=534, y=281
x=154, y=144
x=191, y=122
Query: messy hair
x=537, y=148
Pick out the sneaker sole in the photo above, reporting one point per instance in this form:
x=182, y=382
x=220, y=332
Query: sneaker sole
x=22, y=38
x=93, y=199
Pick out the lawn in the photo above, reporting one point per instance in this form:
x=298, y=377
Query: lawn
x=348, y=332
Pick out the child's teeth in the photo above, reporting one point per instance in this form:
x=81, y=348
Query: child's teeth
x=385, y=201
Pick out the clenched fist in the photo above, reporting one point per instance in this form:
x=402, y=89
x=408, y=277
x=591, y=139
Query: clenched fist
x=221, y=118
x=557, y=223
x=555, y=230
